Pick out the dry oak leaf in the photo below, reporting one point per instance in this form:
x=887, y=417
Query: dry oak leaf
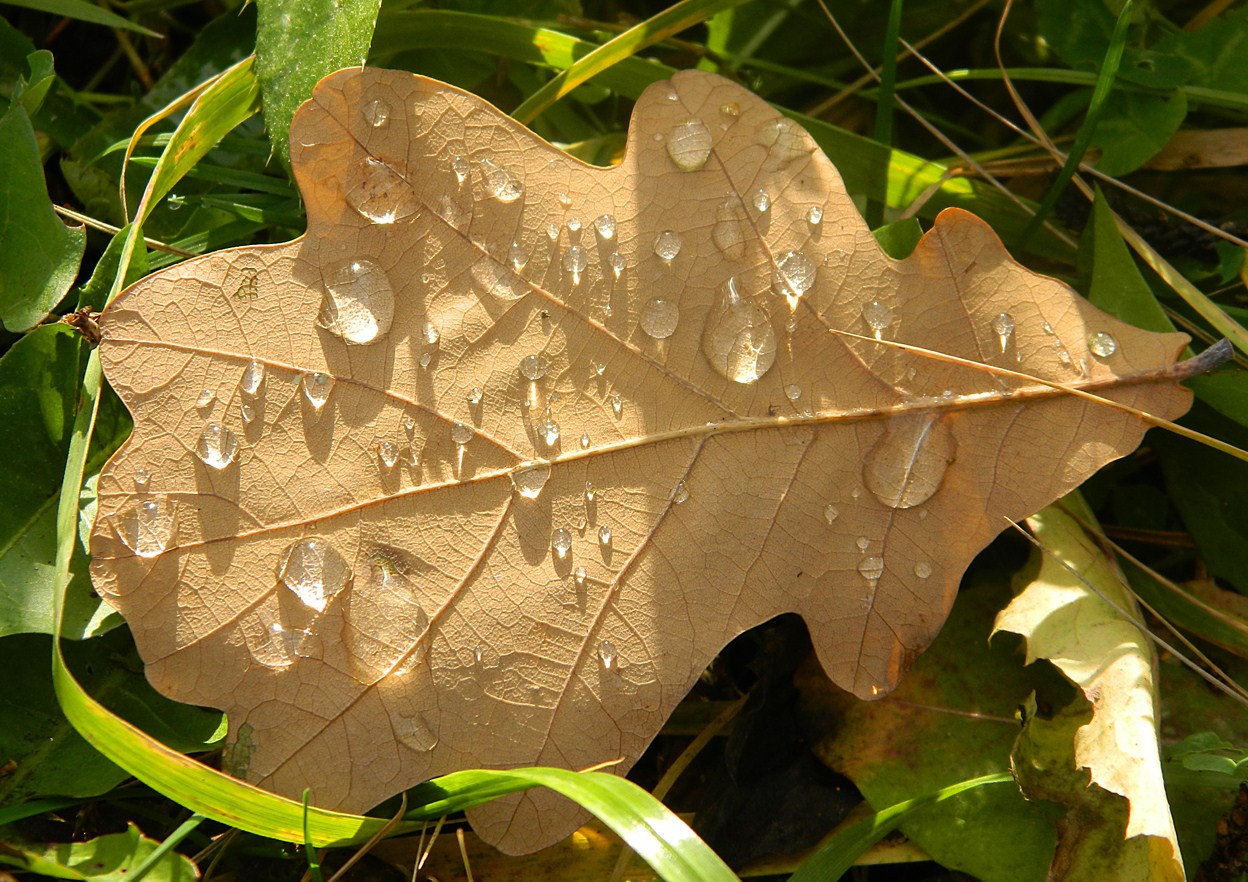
x=487, y=467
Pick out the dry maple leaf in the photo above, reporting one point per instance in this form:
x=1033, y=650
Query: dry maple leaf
x=484, y=469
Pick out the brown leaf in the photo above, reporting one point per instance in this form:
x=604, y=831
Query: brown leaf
x=326, y=522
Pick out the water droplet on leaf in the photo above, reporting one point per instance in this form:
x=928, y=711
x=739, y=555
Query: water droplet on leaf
x=501, y=183
x=689, y=144
x=388, y=452
x=149, y=526
x=659, y=318
x=606, y=654
x=793, y=275
x=739, y=341
x=667, y=245
x=217, y=446
x=529, y=478
x=561, y=542
x=253, y=378
x=315, y=571
x=316, y=388
x=376, y=113
x=871, y=568
x=1103, y=345
x=761, y=200
x=359, y=303
x=606, y=226
x=830, y=513
x=533, y=367
x=877, y=316
x=908, y=462
x=814, y=216
x=461, y=433
x=380, y=194
x=680, y=495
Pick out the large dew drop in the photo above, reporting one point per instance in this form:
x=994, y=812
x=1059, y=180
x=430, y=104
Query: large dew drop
x=908, y=462
x=315, y=571
x=529, y=478
x=415, y=733
x=667, y=245
x=149, y=526
x=1102, y=345
x=739, y=341
x=358, y=305
x=728, y=233
x=606, y=226
x=379, y=194
x=500, y=183
x=793, y=275
x=217, y=446
x=316, y=388
x=659, y=318
x=689, y=144
x=871, y=568
x=533, y=367
x=877, y=316
x=376, y=113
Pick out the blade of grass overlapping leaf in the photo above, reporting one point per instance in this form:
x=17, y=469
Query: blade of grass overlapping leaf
x=884, y=101
x=655, y=29
x=1083, y=138
x=838, y=854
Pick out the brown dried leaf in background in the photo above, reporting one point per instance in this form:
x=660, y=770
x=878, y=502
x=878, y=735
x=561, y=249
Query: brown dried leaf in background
x=484, y=469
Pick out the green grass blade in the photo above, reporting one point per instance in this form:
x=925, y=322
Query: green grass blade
x=1104, y=85
x=834, y=859
x=884, y=101
x=171, y=842
x=683, y=15
x=83, y=11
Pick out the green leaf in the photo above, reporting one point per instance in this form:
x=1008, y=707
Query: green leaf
x=1115, y=283
x=83, y=11
x=30, y=90
x=39, y=255
x=113, y=857
x=900, y=238
x=300, y=41
x=1135, y=126
x=38, y=387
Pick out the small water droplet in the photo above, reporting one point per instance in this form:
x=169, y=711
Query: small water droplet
x=217, y=446
x=475, y=396
x=564, y=199
x=574, y=262
x=1103, y=345
x=358, y=305
x=871, y=568
x=606, y=226
x=149, y=526
x=249, y=414
x=1048, y=329
x=590, y=492
x=680, y=495
x=906, y=465
x=426, y=359
x=617, y=404
x=792, y=392
x=790, y=324
x=604, y=534
x=415, y=733
x=730, y=109
x=142, y=479
x=793, y=275
x=253, y=378
x=205, y=399
x=315, y=571
x=380, y=194
x=606, y=654
x=529, y=478
x=518, y=256
x=877, y=316
x=922, y=569
x=584, y=440
x=549, y=430
x=579, y=575
x=376, y=113
x=316, y=388
x=388, y=452
x=1003, y=327
x=728, y=233
x=831, y=513
x=574, y=225
x=617, y=264
x=459, y=165
x=500, y=183
x=561, y=542
x=739, y=340
x=552, y=231
x=478, y=655
x=533, y=367
x=667, y=245
x=599, y=367
x=461, y=433
x=659, y=318
x=761, y=200
x=689, y=144
x=814, y=216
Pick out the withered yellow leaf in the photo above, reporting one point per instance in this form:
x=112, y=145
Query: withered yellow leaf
x=485, y=468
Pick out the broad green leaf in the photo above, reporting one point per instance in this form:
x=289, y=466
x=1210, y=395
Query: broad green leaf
x=1134, y=126
x=300, y=41
x=39, y=255
x=114, y=857
x=962, y=692
x=1115, y=283
x=39, y=379
x=899, y=239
